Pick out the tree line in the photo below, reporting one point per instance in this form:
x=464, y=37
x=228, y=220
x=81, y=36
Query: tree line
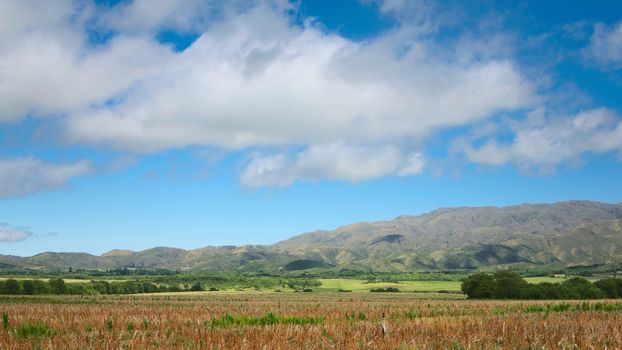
x=505, y=284
x=158, y=284
x=58, y=286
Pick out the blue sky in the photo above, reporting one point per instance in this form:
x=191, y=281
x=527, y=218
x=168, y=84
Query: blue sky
x=134, y=124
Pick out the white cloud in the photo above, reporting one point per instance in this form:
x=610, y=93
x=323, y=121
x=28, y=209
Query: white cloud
x=548, y=142
x=332, y=161
x=140, y=16
x=413, y=10
x=31, y=16
x=43, y=76
x=23, y=176
x=606, y=45
x=256, y=81
x=9, y=233
x=252, y=79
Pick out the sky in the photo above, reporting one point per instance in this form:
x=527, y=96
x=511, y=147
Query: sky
x=188, y=123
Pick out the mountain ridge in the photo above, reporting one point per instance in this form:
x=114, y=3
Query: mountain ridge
x=564, y=234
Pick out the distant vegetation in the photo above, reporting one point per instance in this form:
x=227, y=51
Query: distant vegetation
x=505, y=284
x=58, y=286
x=153, y=284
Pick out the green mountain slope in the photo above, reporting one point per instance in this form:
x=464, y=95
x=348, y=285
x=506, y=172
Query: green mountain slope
x=562, y=234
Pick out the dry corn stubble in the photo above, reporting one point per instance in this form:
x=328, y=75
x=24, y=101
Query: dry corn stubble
x=347, y=322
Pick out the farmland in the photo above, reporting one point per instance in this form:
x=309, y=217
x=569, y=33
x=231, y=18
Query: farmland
x=319, y=320
x=358, y=285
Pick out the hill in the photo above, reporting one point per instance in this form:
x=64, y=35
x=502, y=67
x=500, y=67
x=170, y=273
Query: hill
x=561, y=234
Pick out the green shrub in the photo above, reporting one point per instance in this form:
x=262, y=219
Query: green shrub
x=33, y=330
x=385, y=290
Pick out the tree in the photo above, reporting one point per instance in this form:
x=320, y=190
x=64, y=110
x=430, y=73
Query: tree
x=39, y=287
x=509, y=285
x=57, y=286
x=196, y=287
x=612, y=287
x=545, y=290
x=580, y=288
x=479, y=286
x=28, y=287
x=102, y=287
x=12, y=286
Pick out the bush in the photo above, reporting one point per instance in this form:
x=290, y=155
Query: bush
x=196, y=287
x=385, y=290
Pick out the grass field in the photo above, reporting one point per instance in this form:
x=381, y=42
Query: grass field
x=304, y=321
x=358, y=285
x=355, y=285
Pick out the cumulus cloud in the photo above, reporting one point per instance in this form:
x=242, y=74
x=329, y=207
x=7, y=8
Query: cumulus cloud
x=9, y=233
x=148, y=16
x=606, y=45
x=255, y=80
x=547, y=142
x=23, y=176
x=331, y=161
x=251, y=80
x=46, y=73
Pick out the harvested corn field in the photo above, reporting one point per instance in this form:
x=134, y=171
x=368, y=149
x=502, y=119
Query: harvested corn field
x=304, y=321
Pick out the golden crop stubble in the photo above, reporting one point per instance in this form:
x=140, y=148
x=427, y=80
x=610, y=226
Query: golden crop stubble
x=350, y=322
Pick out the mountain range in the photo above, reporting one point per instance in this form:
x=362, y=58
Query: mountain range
x=572, y=233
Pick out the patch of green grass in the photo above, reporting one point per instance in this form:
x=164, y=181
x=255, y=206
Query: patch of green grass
x=228, y=320
x=354, y=316
x=412, y=314
x=38, y=329
x=566, y=307
x=536, y=280
x=359, y=285
x=554, y=279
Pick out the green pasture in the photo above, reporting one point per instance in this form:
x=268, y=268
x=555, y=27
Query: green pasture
x=358, y=285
